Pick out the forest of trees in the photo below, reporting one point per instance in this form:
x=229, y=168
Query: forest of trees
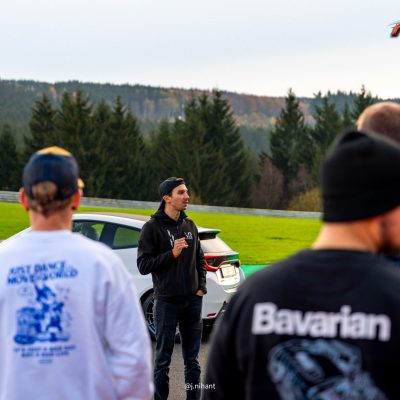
x=204, y=145
x=149, y=104
x=255, y=115
x=289, y=177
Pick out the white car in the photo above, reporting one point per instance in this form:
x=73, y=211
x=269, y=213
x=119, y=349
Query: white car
x=121, y=232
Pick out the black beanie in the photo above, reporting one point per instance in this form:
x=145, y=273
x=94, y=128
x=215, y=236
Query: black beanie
x=360, y=177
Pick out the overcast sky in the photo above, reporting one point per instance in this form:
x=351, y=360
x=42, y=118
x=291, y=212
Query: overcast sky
x=250, y=46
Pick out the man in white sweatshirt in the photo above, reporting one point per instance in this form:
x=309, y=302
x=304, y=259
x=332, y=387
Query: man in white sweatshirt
x=71, y=326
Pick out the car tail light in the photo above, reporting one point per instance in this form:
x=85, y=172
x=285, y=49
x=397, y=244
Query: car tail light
x=213, y=263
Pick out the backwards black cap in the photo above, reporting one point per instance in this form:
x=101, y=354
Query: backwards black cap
x=169, y=185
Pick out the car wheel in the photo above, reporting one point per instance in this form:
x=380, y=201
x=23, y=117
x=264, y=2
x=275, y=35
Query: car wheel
x=148, y=310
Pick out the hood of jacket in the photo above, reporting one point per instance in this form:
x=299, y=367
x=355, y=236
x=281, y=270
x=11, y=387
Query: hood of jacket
x=161, y=215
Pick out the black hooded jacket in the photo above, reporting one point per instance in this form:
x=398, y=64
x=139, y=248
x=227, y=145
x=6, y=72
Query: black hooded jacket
x=173, y=278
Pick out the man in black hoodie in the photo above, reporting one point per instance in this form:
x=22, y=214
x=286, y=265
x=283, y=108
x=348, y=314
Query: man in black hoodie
x=169, y=249
x=325, y=322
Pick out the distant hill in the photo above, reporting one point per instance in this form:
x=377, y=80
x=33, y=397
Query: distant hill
x=146, y=102
x=255, y=114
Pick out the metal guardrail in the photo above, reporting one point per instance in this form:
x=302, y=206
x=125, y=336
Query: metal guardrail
x=8, y=197
x=12, y=197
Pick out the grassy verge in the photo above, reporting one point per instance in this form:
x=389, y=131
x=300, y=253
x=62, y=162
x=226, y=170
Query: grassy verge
x=250, y=269
x=259, y=240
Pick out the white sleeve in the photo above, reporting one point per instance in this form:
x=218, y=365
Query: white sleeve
x=129, y=347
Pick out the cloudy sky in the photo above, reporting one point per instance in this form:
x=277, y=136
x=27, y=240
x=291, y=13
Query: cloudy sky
x=260, y=47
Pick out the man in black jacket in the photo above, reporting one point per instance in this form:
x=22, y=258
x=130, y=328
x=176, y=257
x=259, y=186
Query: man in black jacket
x=169, y=249
x=324, y=323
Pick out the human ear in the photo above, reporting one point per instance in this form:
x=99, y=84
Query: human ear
x=76, y=199
x=22, y=199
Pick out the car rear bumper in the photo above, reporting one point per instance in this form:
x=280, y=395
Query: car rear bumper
x=219, y=293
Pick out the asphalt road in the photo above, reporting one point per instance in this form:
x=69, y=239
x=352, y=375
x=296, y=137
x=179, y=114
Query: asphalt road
x=176, y=380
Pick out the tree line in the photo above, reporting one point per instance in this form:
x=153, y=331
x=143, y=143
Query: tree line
x=254, y=114
x=203, y=145
x=289, y=176
x=149, y=104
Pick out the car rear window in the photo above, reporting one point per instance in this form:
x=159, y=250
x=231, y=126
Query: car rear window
x=113, y=235
x=90, y=229
x=214, y=245
x=125, y=238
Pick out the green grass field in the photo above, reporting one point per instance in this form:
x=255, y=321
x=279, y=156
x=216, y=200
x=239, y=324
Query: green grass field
x=259, y=240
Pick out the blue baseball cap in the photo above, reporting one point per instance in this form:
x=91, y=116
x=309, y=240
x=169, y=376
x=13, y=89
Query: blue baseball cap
x=53, y=164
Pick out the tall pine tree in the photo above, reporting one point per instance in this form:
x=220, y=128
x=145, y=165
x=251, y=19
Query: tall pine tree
x=95, y=182
x=162, y=162
x=237, y=164
x=361, y=102
x=347, y=120
x=290, y=139
x=206, y=149
x=210, y=153
x=125, y=172
x=328, y=124
x=42, y=127
x=10, y=167
x=197, y=155
x=73, y=131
